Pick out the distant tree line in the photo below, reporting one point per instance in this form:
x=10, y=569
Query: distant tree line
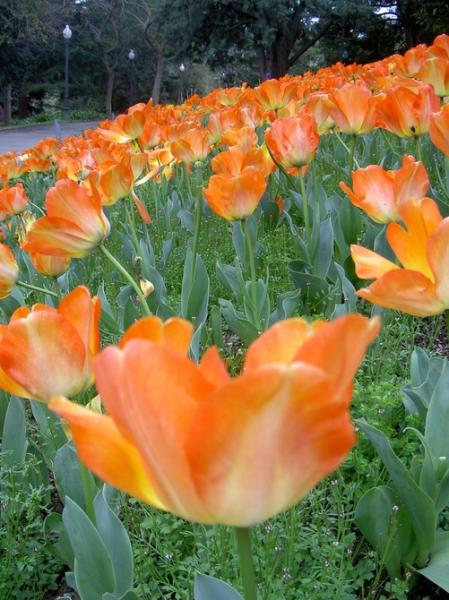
x=217, y=42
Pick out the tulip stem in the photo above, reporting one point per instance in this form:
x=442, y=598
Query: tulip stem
x=352, y=154
x=132, y=226
x=418, y=147
x=305, y=208
x=252, y=267
x=354, y=161
x=446, y=316
x=36, y=288
x=246, y=562
x=196, y=236
x=127, y=276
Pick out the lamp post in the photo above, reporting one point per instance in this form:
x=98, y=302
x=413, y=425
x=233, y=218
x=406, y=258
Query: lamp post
x=131, y=56
x=182, y=69
x=67, y=33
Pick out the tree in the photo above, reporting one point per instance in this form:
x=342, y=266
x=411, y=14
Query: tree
x=167, y=27
x=28, y=32
x=275, y=35
x=108, y=23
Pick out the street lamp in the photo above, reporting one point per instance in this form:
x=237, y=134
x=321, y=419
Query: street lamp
x=182, y=69
x=131, y=56
x=67, y=33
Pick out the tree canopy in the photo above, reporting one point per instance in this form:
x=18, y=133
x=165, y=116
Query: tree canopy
x=217, y=41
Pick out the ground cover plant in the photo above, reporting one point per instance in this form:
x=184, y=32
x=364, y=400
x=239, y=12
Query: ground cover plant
x=224, y=345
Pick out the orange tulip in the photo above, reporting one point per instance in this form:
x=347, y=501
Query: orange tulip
x=274, y=94
x=237, y=189
x=9, y=271
x=11, y=167
x=439, y=129
x=193, y=146
x=421, y=287
x=440, y=46
x=435, y=71
x=74, y=226
x=244, y=137
x=47, y=351
x=47, y=147
x=380, y=193
x=406, y=111
x=232, y=162
x=118, y=182
x=13, y=201
x=151, y=135
x=353, y=109
x=219, y=122
x=191, y=440
x=125, y=128
x=319, y=106
x=53, y=266
x=292, y=141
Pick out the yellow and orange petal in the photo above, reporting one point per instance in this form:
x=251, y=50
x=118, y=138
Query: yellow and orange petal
x=9, y=271
x=235, y=198
x=292, y=142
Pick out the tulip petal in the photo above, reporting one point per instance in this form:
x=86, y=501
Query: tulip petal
x=438, y=251
x=83, y=312
x=338, y=348
x=175, y=332
x=44, y=334
x=280, y=343
x=410, y=245
x=70, y=202
x=369, y=264
x=263, y=441
x=152, y=392
x=405, y=290
x=58, y=237
x=106, y=452
x=213, y=367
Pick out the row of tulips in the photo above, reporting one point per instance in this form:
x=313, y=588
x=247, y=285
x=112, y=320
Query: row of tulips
x=173, y=429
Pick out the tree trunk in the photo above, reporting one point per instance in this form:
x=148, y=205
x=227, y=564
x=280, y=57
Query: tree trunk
x=261, y=62
x=8, y=101
x=156, y=93
x=280, y=50
x=109, y=91
x=23, y=105
x=407, y=17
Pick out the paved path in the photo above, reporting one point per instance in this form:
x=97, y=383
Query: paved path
x=19, y=138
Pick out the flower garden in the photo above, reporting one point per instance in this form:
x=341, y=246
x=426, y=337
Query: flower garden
x=224, y=352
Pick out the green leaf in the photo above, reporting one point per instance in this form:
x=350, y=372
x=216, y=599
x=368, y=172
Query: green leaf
x=94, y=573
x=387, y=527
x=52, y=434
x=420, y=507
x=108, y=317
x=14, y=441
x=260, y=312
x=438, y=568
x=195, y=294
x=325, y=248
x=231, y=278
x=60, y=547
x=209, y=588
x=437, y=421
x=286, y=304
x=67, y=474
x=237, y=322
x=116, y=539
x=129, y=595
x=307, y=283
